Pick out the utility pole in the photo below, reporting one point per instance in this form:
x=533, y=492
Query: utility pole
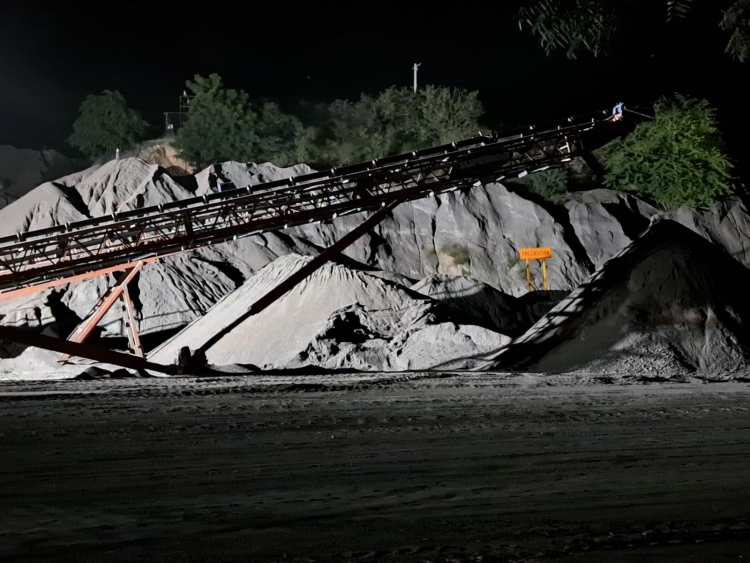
x=416, y=66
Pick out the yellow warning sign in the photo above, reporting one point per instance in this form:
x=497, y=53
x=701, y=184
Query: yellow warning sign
x=535, y=253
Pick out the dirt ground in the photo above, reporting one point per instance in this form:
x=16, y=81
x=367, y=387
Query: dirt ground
x=376, y=468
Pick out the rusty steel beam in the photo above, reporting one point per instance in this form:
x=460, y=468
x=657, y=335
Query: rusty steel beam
x=308, y=269
x=86, y=327
x=82, y=350
x=30, y=290
x=133, y=336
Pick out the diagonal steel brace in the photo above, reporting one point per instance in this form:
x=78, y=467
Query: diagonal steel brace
x=84, y=330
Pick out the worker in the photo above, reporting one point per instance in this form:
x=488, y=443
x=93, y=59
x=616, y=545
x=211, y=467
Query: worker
x=212, y=180
x=617, y=111
x=62, y=247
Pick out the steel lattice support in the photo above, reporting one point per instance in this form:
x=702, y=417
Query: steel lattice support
x=132, y=329
x=84, y=330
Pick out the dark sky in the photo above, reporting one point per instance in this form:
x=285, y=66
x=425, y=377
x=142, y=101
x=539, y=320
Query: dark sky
x=52, y=56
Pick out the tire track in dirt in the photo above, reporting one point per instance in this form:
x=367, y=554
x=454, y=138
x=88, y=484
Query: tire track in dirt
x=417, y=469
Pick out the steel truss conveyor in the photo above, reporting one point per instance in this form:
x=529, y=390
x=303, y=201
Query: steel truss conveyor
x=34, y=260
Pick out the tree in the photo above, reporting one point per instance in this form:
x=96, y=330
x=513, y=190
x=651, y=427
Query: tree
x=223, y=124
x=104, y=124
x=570, y=25
x=676, y=159
x=446, y=115
x=551, y=184
x=397, y=120
x=588, y=25
x=736, y=21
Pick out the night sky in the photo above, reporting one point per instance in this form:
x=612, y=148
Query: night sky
x=52, y=56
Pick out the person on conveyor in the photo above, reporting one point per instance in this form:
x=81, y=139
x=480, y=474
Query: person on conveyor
x=363, y=186
x=62, y=247
x=617, y=112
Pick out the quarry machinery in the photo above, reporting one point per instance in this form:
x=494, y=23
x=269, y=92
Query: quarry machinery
x=124, y=242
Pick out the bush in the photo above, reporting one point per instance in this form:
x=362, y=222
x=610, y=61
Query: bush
x=551, y=184
x=459, y=254
x=223, y=124
x=676, y=159
x=396, y=121
x=105, y=123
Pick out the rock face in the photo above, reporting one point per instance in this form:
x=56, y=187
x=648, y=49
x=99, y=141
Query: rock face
x=726, y=223
x=670, y=303
x=336, y=318
x=606, y=221
x=22, y=170
x=476, y=234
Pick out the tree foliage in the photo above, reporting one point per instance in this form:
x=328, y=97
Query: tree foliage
x=676, y=159
x=677, y=9
x=551, y=184
x=570, y=25
x=223, y=124
x=577, y=26
x=398, y=120
x=105, y=123
x=736, y=22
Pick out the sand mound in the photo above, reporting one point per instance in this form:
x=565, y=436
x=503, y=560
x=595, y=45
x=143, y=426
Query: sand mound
x=671, y=302
x=362, y=338
x=21, y=170
x=46, y=206
x=128, y=183
x=118, y=185
x=336, y=318
x=167, y=295
x=243, y=174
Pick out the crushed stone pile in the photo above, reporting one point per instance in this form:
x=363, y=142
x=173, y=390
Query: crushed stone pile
x=118, y=185
x=336, y=318
x=122, y=185
x=127, y=184
x=474, y=302
x=469, y=234
x=670, y=303
x=22, y=170
x=242, y=174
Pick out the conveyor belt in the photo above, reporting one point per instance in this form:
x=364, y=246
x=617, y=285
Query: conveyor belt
x=35, y=258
